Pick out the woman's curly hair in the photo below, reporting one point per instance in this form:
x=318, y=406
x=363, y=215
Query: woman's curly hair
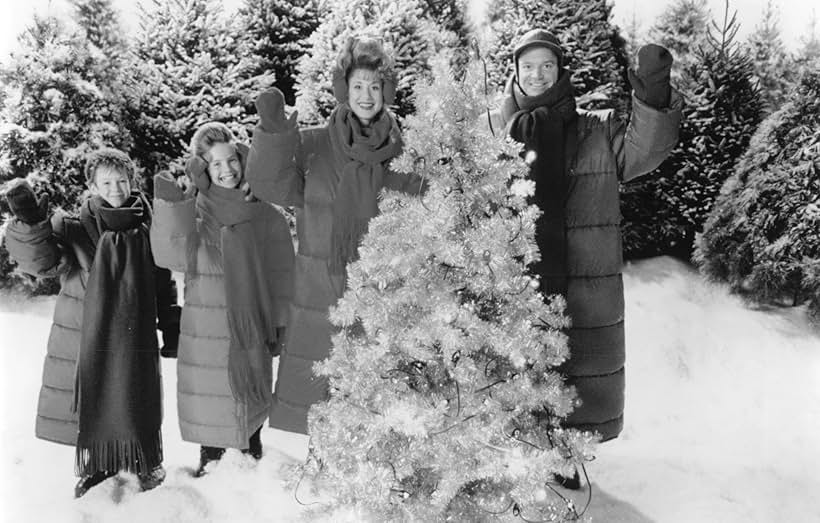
x=364, y=53
x=107, y=157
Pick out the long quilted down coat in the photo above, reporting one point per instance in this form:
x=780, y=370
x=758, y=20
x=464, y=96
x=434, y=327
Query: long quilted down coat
x=184, y=241
x=609, y=151
x=308, y=181
x=61, y=247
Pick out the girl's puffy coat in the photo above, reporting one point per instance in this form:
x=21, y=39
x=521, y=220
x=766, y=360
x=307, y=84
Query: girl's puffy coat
x=209, y=414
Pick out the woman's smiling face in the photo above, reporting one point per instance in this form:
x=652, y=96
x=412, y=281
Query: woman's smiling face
x=364, y=94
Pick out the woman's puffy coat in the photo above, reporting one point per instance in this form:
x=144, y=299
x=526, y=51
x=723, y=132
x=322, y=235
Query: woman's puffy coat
x=182, y=241
x=297, y=169
x=609, y=151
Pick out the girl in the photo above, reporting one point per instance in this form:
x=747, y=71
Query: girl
x=237, y=257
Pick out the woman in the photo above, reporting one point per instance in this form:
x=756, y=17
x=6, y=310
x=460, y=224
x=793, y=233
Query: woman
x=332, y=174
x=237, y=257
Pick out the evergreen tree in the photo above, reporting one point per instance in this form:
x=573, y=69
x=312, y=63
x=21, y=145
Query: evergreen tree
x=57, y=107
x=408, y=34
x=444, y=397
x=808, y=56
x=101, y=23
x=664, y=210
x=633, y=35
x=770, y=60
x=277, y=32
x=194, y=67
x=763, y=236
x=682, y=28
x=594, y=50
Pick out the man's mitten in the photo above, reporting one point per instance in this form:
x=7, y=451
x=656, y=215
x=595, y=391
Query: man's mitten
x=270, y=106
x=24, y=205
x=650, y=80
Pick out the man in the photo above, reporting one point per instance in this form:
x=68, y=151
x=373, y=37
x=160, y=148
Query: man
x=578, y=159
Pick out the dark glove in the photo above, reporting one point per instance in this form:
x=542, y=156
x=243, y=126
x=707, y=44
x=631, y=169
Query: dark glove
x=270, y=106
x=196, y=168
x=170, y=333
x=24, y=205
x=650, y=80
x=166, y=188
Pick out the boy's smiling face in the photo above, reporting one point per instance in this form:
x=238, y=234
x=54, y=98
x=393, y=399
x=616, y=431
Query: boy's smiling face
x=112, y=185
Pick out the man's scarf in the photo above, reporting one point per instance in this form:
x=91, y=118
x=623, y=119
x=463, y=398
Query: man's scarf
x=360, y=154
x=256, y=302
x=554, y=140
x=118, y=385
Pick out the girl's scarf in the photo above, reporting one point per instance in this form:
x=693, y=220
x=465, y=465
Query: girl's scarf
x=256, y=301
x=360, y=154
x=118, y=385
x=555, y=143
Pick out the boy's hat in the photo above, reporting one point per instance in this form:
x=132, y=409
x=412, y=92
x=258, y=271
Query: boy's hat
x=542, y=38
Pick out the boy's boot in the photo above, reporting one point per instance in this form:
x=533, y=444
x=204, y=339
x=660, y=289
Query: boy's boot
x=207, y=455
x=153, y=479
x=255, y=445
x=90, y=480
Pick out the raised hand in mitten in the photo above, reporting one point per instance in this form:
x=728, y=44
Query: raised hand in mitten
x=243, y=151
x=270, y=106
x=650, y=80
x=166, y=188
x=196, y=169
x=24, y=204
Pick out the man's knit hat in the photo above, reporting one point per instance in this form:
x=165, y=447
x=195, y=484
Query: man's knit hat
x=542, y=38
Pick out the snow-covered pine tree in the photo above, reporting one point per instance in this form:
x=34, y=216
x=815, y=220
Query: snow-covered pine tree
x=763, y=235
x=444, y=397
x=277, y=32
x=61, y=100
x=808, y=55
x=664, y=210
x=410, y=36
x=682, y=28
x=196, y=66
x=594, y=49
x=773, y=68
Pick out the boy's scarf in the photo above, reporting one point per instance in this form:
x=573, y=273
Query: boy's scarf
x=248, y=243
x=118, y=385
x=555, y=145
x=360, y=156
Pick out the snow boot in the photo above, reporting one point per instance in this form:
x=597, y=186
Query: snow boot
x=255, y=445
x=207, y=455
x=90, y=480
x=153, y=479
x=573, y=483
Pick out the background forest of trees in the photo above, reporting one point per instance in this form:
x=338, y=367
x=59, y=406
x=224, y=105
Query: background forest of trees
x=750, y=131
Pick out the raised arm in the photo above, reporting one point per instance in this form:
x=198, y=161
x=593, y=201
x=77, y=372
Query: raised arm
x=274, y=171
x=652, y=132
x=173, y=222
x=30, y=235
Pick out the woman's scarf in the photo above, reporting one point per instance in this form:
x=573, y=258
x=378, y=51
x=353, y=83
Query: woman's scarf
x=118, y=385
x=554, y=140
x=256, y=302
x=360, y=154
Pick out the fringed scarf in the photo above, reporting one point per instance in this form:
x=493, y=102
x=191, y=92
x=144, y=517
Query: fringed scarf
x=555, y=144
x=118, y=384
x=248, y=241
x=360, y=155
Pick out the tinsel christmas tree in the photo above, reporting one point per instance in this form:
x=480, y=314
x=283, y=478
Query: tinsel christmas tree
x=444, y=402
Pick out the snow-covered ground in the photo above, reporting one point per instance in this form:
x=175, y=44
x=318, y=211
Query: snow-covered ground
x=722, y=424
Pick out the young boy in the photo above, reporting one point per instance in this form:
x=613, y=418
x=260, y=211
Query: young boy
x=101, y=383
